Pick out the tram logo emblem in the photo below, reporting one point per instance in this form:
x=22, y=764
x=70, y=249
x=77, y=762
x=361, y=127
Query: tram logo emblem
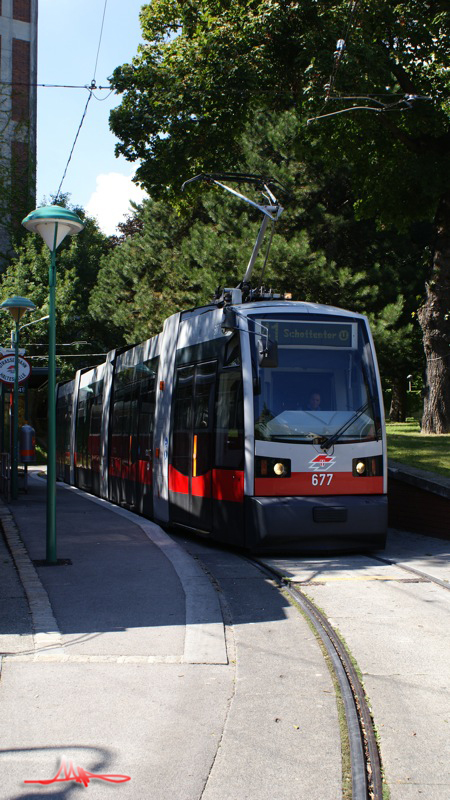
x=322, y=461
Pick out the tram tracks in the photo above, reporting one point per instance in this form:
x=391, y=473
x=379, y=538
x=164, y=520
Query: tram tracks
x=425, y=576
x=365, y=764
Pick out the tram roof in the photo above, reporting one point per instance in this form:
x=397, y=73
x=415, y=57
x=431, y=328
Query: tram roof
x=290, y=306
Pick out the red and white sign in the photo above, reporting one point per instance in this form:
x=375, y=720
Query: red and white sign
x=322, y=461
x=7, y=369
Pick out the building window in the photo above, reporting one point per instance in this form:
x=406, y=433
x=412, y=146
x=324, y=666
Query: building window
x=20, y=96
x=22, y=187
x=21, y=10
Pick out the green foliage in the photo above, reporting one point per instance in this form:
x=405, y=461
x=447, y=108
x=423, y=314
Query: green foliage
x=147, y=276
x=77, y=267
x=208, y=66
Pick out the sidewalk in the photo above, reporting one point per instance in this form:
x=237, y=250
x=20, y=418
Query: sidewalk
x=131, y=597
x=125, y=667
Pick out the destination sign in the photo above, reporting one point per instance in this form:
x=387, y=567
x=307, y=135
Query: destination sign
x=342, y=335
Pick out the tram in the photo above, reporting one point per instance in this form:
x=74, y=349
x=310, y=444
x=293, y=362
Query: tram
x=256, y=421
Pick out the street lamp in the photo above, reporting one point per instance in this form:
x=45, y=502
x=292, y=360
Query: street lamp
x=53, y=223
x=17, y=306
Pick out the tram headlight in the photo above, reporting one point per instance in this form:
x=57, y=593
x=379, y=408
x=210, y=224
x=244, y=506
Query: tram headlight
x=266, y=467
x=369, y=467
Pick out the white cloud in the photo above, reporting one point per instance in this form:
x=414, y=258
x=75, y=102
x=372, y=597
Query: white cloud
x=110, y=202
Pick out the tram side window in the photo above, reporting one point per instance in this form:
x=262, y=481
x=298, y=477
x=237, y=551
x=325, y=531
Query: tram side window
x=134, y=423
x=204, y=385
x=230, y=420
x=182, y=420
x=147, y=410
x=88, y=424
x=124, y=419
x=82, y=430
x=233, y=352
x=95, y=425
x=115, y=455
x=63, y=420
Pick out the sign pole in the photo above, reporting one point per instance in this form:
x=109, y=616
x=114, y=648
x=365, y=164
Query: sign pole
x=15, y=447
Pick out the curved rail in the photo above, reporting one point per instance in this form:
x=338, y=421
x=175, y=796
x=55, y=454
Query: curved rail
x=366, y=771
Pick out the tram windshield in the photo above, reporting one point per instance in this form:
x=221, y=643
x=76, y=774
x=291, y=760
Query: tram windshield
x=323, y=387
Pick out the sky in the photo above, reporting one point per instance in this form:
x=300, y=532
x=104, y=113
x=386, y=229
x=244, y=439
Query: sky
x=68, y=41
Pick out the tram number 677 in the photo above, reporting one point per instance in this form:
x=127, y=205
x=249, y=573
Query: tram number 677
x=322, y=479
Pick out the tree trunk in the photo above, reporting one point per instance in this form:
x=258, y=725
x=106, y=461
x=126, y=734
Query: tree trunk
x=397, y=411
x=434, y=318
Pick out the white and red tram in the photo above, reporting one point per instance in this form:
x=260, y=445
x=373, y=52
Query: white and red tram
x=205, y=426
x=257, y=422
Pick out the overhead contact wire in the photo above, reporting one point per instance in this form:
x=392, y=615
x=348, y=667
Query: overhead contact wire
x=90, y=90
x=100, y=39
x=73, y=146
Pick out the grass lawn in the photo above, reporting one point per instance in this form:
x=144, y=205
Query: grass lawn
x=406, y=444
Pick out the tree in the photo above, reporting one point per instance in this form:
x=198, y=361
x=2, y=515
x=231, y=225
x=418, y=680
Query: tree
x=168, y=260
x=77, y=268
x=147, y=276
x=207, y=67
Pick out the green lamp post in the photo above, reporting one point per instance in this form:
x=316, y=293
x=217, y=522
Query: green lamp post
x=17, y=307
x=53, y=223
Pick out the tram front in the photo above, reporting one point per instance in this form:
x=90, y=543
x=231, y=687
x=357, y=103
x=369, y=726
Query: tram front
x=319, y=468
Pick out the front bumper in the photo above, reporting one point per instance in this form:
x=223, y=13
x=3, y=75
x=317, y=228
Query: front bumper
x=316, y=524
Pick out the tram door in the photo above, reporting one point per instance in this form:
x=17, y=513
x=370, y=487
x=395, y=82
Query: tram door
x=190, y=468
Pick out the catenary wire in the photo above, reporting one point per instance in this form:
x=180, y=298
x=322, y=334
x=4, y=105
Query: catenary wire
x=90, y=90
x=56, y=85
x=67, y=355
x=100, y=40
x=73, y=146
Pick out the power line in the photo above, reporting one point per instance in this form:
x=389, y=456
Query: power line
x=57, y=85
x=100, y=39
x=341, y=47
x=90, y=90
x=73, y=146
x=68, y=355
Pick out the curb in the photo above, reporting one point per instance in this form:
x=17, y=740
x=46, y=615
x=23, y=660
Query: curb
x=46, y=634
x=422, y=479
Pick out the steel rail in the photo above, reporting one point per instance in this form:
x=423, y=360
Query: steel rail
x=413, y=571
x=366, y=770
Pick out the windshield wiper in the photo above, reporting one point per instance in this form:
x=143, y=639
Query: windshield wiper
x=334, y=438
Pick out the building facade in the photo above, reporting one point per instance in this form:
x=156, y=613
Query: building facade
x=18, y=112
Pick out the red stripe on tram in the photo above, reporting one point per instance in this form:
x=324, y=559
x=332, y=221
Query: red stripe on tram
x=309, y=484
